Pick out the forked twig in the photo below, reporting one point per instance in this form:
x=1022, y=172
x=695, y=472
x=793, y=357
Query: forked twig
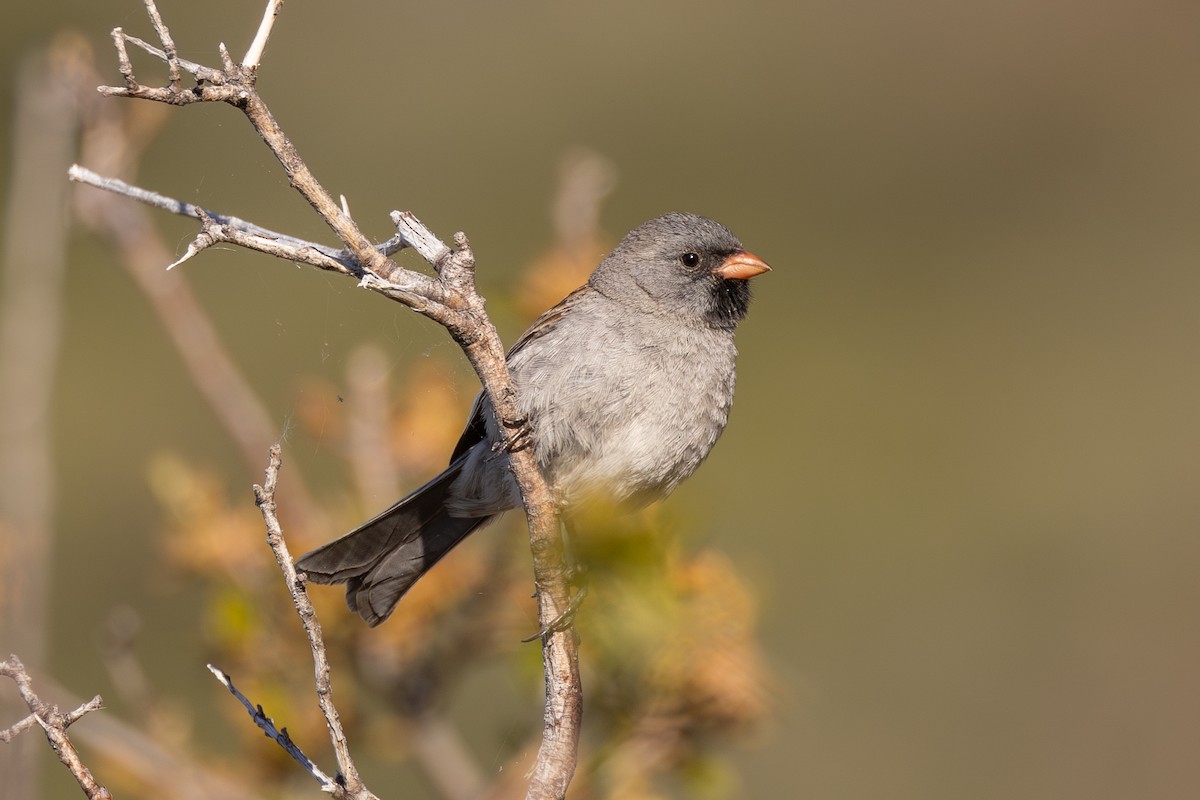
x=265, y=498
x=450, y=299
x=217, y=228
x=168, y=44
x=55, y=724
x=347, y=785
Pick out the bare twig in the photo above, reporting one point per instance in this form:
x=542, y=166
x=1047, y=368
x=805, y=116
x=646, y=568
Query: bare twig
x=254, y=54
x=347, y=785
x=124, y=65
x=265, y=497
x=168, y=44
x=152, y=760
x=12, y=731
x=200, y=72
x=423, y=240
x=236, y=87
x=452, y=300
x=55, y=724
x=219, y=228
x=279, y=735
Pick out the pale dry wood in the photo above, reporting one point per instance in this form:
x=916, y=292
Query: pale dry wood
x=254, y=54
x=54, y=723
x=450, y=299
x=217, y=228
x=349, y=779
x=151, y=760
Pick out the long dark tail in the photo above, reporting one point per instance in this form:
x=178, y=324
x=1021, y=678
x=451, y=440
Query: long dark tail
x=382, y=558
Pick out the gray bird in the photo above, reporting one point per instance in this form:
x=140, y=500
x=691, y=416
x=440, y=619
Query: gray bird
x=625, y=384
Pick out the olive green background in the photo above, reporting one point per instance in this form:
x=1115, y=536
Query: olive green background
x=962, y=469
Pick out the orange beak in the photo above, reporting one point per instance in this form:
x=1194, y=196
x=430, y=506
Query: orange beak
x=741, y=266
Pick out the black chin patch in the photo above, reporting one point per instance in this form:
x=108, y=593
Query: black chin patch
x=729, y=303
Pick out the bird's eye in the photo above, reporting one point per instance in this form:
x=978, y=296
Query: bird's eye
x=689, y=260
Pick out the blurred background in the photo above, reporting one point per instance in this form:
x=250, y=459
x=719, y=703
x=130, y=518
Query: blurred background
x=947, y=548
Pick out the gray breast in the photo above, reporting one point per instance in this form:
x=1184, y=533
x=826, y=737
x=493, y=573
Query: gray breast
x=625, y=406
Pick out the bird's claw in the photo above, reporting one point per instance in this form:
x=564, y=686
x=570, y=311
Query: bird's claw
x=563, y=620
x=519, y=439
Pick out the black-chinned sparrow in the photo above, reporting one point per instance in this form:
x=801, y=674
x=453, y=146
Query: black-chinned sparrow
x=626, y=385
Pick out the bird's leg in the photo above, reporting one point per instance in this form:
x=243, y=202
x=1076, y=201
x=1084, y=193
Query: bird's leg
x=521, y=435
x=562, y=620
x=576, y=569
x=576, y=576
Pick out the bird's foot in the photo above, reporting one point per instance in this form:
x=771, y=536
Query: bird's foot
x=563, y=620
x=520, y=437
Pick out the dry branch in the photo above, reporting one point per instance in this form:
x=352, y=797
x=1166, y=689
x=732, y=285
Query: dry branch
x=265, y=497
x=280, y=736
x=152, y=760
x=254, y=54
x=348, y=784
x=451, y=300
x=217, y=228
x=55, y=724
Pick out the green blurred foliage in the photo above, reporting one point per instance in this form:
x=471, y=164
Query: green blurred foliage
x=963, y=460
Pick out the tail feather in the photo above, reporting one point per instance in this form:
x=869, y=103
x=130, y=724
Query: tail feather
x=374, y=596
x=382, y=558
